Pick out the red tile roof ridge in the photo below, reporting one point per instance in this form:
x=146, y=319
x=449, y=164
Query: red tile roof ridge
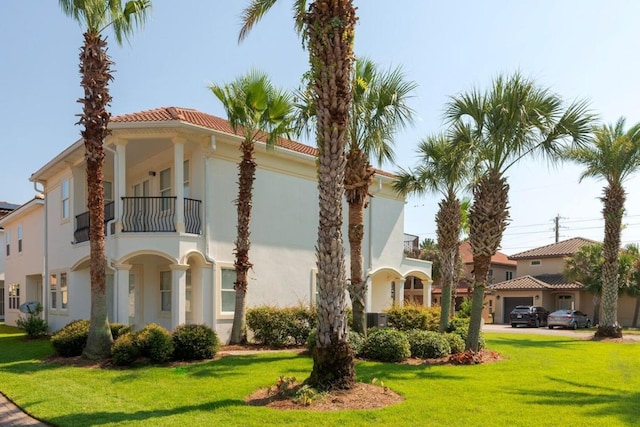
x=562, y=248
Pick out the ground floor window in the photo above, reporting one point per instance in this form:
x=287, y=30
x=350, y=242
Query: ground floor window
x=228, y=293
x=59, y=291
x=413, y=291
x=14, y=296
x=165, y=291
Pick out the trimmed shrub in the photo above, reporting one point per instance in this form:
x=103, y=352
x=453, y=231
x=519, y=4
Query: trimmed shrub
x=455, y=342
x=33, y=325
x=356, y=342
x=194, y=342
x=457, y=322
x=387, y=345
x=118, y=329
x=412, y=317
x=155, y=343
x=125, y=350
x=311, y=340
x=279, y=327
x=428, y=344
x=463, y=331
x=71, y=339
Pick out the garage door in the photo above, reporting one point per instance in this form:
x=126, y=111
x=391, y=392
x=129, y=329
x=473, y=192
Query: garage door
x=511, y=302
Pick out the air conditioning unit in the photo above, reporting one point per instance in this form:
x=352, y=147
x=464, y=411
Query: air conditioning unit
x=376, y=320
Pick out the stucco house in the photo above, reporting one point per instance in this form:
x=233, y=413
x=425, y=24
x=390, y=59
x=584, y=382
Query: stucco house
x=170, y=185
x=539, y=281
x=5, y=209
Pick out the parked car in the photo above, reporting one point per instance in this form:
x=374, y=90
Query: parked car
x=529, y=315
x=573, y=319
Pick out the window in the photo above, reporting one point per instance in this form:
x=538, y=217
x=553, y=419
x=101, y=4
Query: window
x=63, y=291
x=108, y=191
x=509, y=275
x=187, y=294
x=53, y=289
x=536, y=262
x=165, y=291
x=64, y=189
x=7, y=240
x=14, y=296
x=186, y=179
x=228, y=293
x=490, y=273
x=20, y=238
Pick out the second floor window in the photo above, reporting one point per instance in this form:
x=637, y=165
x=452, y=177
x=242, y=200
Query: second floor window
x=20, y=238
x=7, y=241
x=509, y=275
x=64, y=195
x=186, y=179
x=165, y=187
x=108, y=192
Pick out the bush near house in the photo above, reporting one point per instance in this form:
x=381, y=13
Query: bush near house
x=156, y=343
x=456, y=343
x=412, y=317
x=279, y=327
x=463, y=331
x=33, y=324
x=194, y=342
x=387, y=345
x=71, y=339
x=125, y=350
x=428, y=344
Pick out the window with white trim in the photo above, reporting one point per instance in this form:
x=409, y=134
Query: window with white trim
x=20, y=238
x=14, y=296
x=227, y=291
x=7, y=241
x=187, y=294
x=509, y=275
x=185, y=184
x=64, y=197
x=64, y=292
x=59, y=291
x=536, y=262
x=165, y=187
x=165, y=291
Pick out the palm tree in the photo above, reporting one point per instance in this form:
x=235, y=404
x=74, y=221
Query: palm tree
x=612, y=154
x=255, y=109
x=512, y=120
x=585, y=266
x=633, y=288
x=328, y=29
x=444, y=169
x=95, y=16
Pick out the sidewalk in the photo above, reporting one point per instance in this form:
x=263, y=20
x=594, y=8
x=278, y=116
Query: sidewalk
x=12, y=416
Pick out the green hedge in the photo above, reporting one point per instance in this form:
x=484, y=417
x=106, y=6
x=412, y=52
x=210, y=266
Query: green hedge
x=279, y=327
x=412, y=317
x=387, y=345
x=194, y=342
x=156, y=343
x=428, y=344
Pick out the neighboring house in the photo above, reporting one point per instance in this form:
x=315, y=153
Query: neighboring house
x=170, y=183
x=539, y=281
x=5, y=209
x=501, y=268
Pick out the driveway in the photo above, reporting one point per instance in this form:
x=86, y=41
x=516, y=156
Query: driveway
x=580, y=333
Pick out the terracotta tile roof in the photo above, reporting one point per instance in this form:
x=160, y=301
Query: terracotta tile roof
x=195, y=117
x=543, y=281
x=497, y=258
x=560, y=249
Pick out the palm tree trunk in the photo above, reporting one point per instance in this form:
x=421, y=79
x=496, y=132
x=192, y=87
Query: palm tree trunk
x=358, y=177
x=246, y=176
x=95, y=70
x=448, y=232
x=613, y=200
x=330, y=27
x=488, y=220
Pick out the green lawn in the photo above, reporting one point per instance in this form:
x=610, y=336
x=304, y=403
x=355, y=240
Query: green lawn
x=550, y=379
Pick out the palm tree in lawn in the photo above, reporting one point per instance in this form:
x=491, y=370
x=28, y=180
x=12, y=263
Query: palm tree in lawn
x=585, y=266
x=445, y=169
x=379, y=109
x=328, y=29
x=633, y=288
x=256, y=110
x=514, y=119
x=95, y=16
x=611, y=154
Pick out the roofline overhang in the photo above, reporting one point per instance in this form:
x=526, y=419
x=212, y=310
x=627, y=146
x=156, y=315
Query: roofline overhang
x=22, y=209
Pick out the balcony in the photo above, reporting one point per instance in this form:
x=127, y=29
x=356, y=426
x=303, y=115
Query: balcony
x=146, y=215
x=411, y=246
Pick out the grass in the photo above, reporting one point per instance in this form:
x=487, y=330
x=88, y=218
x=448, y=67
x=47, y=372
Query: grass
x=557, y=380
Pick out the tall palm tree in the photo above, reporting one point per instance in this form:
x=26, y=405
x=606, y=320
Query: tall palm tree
x=612, y=154
x=513, y=119
x=444, y=169
x=585, y=266
x=95, y=16
x=328, y=29
x=255, y=109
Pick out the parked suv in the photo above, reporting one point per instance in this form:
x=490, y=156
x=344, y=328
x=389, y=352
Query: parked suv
x=528, y=315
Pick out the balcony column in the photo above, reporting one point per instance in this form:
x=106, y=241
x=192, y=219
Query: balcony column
x=178, y=181
x=122, y=293
x=120, y=185
x=178, y=294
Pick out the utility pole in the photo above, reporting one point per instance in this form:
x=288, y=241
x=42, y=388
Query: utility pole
x=557, y=227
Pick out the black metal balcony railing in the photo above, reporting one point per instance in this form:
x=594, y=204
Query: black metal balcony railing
x=411, y=246
x=148, y=214
x=192, y=217
x=82, y=223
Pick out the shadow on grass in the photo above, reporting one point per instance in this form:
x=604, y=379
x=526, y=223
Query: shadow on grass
x=596, y=400
x=367, y=371
x=521, y=341
x=98, y=418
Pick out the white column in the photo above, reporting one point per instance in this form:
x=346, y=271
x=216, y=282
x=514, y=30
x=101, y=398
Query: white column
x=178, y=181
x=121, y=287
x=178, y=294
x=427, y=298
x=120, y=185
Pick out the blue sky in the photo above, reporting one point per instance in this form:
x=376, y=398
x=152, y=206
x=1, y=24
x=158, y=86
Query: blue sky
x=581, y=49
